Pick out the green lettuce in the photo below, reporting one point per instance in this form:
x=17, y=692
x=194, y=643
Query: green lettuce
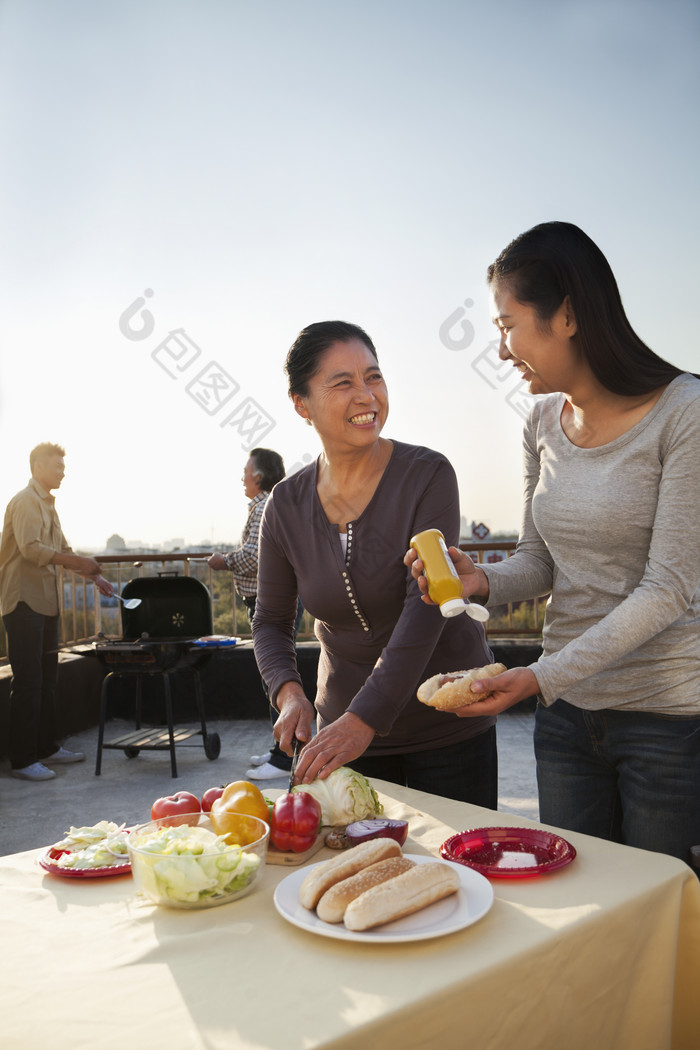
x=344, y=796
x=79, y=838
x=190, y=864
x=96, y=846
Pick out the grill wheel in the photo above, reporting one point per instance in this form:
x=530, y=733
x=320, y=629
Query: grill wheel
x=212, y=745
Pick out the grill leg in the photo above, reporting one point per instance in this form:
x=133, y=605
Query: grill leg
x=137, y=719
x=101, y=731
x=169, y=716
x=199, y=700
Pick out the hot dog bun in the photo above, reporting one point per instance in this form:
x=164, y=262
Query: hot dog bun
x=332, y=905
x=447, y=692
x=325, y=875
x=415, y=889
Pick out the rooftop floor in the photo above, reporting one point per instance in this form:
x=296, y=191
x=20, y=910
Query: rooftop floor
x=37, y=814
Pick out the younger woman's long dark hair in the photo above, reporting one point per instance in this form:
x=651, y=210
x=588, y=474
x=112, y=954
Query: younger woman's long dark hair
x=557, y=259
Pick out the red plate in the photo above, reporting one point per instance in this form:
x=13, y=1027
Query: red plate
x=48, y=863
x=509, y=853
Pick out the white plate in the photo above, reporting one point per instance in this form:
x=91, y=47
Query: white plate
x=452, y=913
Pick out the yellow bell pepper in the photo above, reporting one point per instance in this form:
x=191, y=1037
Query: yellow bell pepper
x=240, y=799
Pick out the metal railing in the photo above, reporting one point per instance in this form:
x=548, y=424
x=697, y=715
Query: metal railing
x=86, y=613
x=522, y=620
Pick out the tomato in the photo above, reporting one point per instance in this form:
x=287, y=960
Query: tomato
x=240, y=797
x=210, y=796
x=181, y=808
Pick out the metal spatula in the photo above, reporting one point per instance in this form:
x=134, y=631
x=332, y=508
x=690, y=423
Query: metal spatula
x=130, y=603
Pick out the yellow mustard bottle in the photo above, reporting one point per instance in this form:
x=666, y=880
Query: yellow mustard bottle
x=444, y=585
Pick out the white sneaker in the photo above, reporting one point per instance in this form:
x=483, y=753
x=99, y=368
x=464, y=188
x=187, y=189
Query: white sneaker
x=266, y=772
x=260, y=760
x=37, y=771
x=64, y=757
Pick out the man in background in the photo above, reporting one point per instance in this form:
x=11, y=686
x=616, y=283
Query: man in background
x=261, y=473
x=32, y=549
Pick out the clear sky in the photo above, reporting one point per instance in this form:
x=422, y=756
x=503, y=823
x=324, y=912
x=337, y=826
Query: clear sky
x=259, y=166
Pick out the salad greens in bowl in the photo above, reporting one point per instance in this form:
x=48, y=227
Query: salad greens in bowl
x=190, y=866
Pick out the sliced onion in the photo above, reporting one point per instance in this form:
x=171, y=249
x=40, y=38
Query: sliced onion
x=378, y=828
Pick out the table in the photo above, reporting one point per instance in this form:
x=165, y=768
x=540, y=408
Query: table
x=603, y=953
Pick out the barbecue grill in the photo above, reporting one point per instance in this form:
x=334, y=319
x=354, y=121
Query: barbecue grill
x=162, y=636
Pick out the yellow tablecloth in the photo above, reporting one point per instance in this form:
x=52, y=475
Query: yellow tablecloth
x=604, y=953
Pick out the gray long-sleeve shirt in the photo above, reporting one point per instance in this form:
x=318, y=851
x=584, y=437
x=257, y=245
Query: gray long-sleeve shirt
x=614, y=533
x=379, y=641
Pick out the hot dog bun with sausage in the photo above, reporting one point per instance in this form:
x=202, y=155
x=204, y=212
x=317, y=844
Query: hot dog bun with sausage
x=447, y=692
x=422, y=885
x=329, y=872
x=332, y=905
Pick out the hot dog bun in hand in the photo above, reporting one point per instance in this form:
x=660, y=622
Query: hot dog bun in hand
x=448, y=692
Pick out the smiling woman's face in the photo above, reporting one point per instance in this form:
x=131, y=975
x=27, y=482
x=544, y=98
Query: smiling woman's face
x=347, y=400
x=544, y=354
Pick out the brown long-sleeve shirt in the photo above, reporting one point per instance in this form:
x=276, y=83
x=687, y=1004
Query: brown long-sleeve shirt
x=379, y=641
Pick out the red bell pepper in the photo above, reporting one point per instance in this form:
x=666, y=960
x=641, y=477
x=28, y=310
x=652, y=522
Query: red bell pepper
x=295, y=822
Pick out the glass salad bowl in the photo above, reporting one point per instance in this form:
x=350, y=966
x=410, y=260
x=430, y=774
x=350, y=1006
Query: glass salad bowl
x=189, y=866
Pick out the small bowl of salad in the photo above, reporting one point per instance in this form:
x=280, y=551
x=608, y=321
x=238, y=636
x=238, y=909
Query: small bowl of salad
x=180, y=862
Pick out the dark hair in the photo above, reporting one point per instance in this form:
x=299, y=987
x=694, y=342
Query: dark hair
x=43, y=451
x=269, y=465
x=556, y=259
x=304, y=357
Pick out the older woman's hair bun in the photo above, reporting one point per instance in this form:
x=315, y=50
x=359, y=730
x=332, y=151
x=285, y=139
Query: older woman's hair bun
x=304, y=357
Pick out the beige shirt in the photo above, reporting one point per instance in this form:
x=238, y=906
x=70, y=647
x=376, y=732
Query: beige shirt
x=31, y=535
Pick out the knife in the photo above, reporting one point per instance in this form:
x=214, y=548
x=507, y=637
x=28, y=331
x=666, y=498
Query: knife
x=295, y=758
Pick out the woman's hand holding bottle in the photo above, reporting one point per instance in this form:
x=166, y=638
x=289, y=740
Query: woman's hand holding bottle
x=474, y=581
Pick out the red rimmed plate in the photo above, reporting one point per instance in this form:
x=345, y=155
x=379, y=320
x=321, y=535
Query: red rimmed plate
x=48, y=862
x=509, y=853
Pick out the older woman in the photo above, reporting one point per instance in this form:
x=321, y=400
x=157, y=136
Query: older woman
x=611, y=527
x=334, y=534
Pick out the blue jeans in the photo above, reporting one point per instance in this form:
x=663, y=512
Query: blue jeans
x=466, y=771
x=32, y=649
x=626, y=776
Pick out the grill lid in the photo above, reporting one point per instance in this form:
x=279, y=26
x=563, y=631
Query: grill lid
x=172, y=607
